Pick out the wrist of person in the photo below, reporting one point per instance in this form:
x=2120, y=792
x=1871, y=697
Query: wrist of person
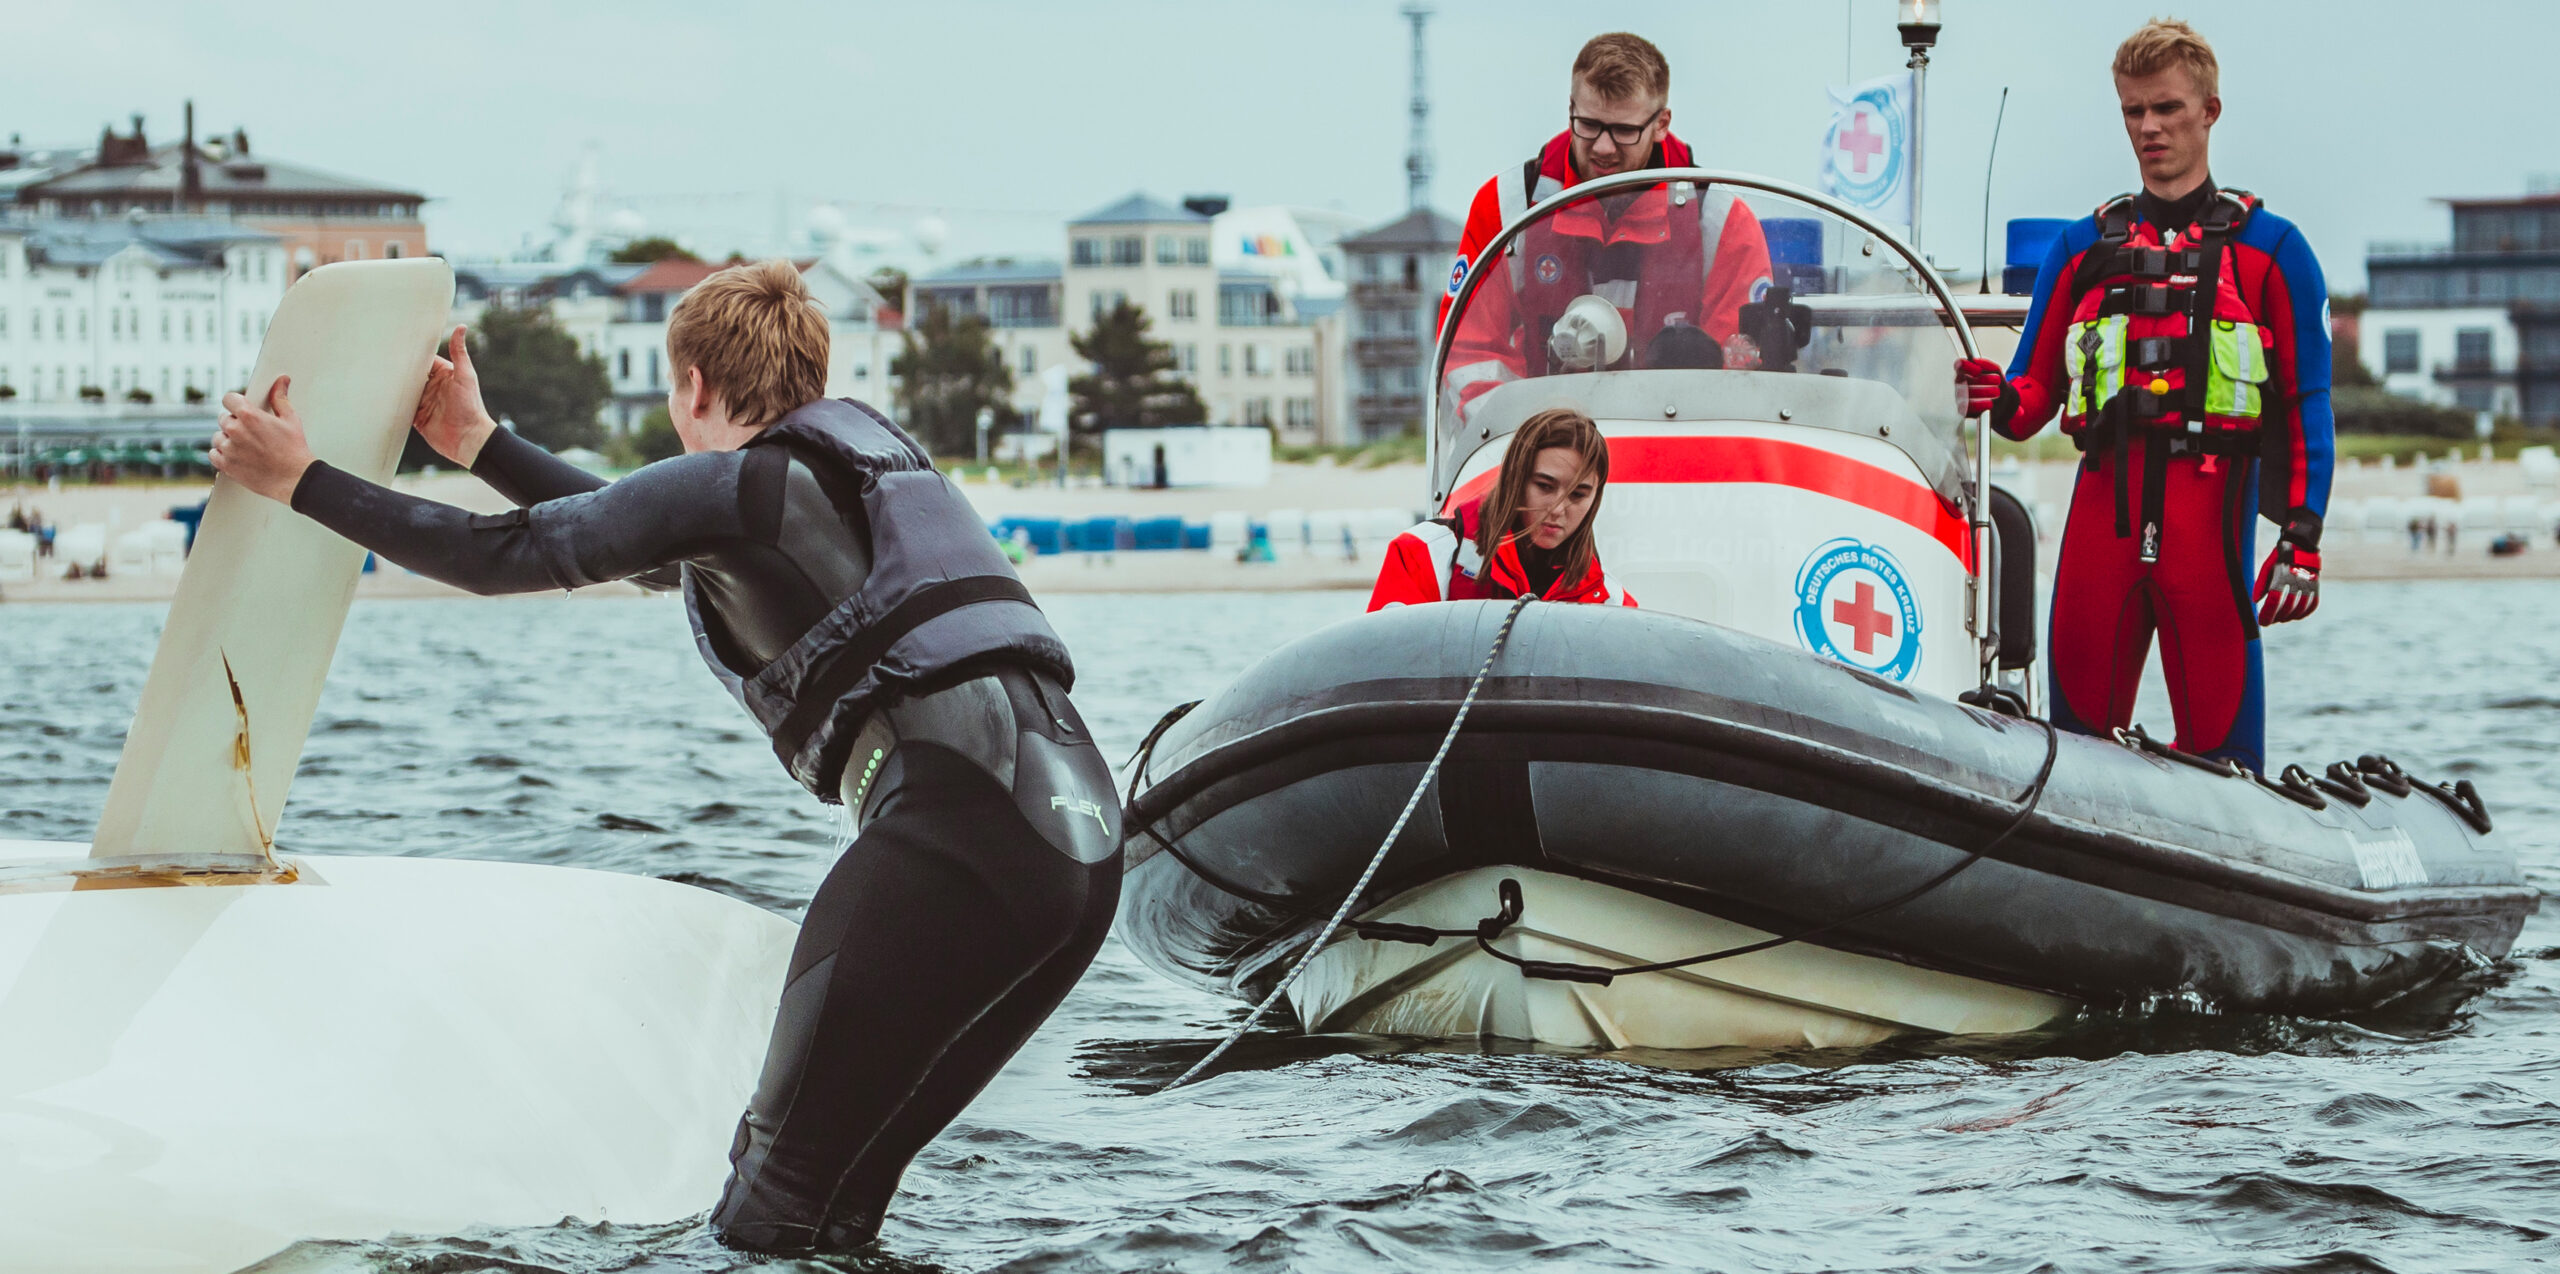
x=475, y=436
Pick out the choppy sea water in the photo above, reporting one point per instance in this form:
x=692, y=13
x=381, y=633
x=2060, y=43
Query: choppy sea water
x=2425, y=1138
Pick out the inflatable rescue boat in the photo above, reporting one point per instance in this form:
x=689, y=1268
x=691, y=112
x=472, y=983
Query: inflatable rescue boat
x=1801, y=796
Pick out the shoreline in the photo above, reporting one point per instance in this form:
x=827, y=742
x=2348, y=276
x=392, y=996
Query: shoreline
x=2352, y=551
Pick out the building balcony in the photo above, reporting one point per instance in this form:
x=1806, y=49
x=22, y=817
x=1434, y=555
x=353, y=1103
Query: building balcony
x=1385, y=290
x=1387, y=351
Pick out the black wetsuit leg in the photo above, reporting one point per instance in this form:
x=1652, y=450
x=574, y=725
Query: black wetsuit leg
x=984, y=878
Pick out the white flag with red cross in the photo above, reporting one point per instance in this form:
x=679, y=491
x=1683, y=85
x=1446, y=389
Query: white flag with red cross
x=1866, y=153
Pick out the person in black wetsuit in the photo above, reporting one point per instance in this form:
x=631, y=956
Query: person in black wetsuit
x=853, y=602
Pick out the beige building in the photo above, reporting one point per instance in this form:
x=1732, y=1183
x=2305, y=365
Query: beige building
x=1259, y=344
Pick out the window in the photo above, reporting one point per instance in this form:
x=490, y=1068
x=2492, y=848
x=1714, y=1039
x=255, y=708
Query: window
x=1186, y=358
x=1371, y=382
x=1408, y=380
x=1195, y=251
x=1022, y=306
x=1302, y=413
x=1302, y=361
x=394, y=250
x=1226, y=360
x=164, y=326
x=1412, y=272
x=2399, y=351
x=1030, y=361
x=1369, y=272
x=653, y=369
x=1128, y=249
x=2471, y=348
x=1168, y=250
x=1088, y=252
x=1182, y=303
x=1107, y=300
x=622, y=365
x=2475, y=397
x=653, y=307
x=1257, y=362
x=1257, y=411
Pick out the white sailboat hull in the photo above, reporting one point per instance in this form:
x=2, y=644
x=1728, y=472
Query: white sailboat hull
x=192, y=1077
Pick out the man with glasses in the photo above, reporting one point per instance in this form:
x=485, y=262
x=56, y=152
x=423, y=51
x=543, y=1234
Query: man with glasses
x=1678, y=262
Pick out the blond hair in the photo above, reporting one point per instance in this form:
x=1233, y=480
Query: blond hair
x=758, y=336
x=1618, y=66
x=1555, y=427
x=2166, y=42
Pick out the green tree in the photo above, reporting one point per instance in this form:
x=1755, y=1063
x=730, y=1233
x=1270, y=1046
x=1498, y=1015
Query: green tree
x=891, y=283
x=1132, y=384
x=948, y=371
x=533, y=374
x=653, y=248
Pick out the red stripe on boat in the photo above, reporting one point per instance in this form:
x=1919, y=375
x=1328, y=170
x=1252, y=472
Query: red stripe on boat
x=1768, y=460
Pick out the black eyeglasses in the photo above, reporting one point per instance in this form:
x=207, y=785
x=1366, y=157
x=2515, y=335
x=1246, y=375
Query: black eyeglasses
x=1589, y=129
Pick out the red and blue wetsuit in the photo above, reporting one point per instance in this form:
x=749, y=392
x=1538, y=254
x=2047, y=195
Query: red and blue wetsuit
x=2185, y=345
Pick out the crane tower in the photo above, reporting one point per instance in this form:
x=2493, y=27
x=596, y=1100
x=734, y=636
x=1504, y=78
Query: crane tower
x=1417, y=155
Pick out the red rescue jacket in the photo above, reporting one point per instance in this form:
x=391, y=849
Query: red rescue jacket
x=1437, y=561
x=1671, y=256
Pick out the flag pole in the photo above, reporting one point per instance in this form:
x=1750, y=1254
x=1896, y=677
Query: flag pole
x=1918, y=21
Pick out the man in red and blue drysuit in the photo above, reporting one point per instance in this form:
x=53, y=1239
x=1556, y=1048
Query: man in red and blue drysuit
x=2182, y=335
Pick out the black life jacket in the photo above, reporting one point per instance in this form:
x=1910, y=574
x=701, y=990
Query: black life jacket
x=940, y=596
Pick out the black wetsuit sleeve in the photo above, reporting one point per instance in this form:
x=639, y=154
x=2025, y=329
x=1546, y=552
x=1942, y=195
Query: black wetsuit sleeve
x=527, y=474
x=656, y=517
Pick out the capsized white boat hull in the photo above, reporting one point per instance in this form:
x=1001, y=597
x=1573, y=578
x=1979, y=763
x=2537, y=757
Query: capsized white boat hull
x=1790, y=996
x=192, y=1077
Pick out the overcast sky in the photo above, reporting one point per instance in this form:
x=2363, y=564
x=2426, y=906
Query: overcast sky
x=725, y=123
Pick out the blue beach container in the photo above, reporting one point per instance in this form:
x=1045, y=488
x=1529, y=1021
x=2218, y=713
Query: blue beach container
x=2030, y=238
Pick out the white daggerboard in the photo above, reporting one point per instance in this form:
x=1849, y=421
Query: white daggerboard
x=207, y=1055
x=267, y=589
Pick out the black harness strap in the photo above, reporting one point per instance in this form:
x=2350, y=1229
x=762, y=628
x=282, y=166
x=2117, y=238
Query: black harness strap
x=847, y=665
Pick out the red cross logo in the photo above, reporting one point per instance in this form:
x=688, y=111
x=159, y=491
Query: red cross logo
x=1865, y=622
x=1862, y=146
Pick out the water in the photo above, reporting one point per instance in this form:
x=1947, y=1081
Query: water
x=585, y=732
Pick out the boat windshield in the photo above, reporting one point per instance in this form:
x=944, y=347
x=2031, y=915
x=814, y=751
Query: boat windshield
x=1693, y=272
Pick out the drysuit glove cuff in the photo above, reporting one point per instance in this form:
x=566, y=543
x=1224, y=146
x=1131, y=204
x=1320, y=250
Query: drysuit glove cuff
x=2302, y=531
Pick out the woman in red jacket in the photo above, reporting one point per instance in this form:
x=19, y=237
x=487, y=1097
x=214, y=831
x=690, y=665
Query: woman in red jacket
x=1529, y=535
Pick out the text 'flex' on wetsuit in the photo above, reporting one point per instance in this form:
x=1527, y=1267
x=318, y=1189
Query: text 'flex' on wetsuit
x=986, y=869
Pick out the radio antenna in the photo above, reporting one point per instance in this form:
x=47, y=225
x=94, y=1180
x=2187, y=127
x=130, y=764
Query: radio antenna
x=1987, y=164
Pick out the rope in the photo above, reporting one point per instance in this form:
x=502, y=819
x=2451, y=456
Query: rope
x=1361, y=886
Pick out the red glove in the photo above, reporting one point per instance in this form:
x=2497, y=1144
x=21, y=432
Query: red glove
x=2288, y=584
x=1981, y=381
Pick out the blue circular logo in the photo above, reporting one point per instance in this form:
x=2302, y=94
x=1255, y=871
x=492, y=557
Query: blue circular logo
x=1853, y=605
x=1550, y=269
x=1457, y=275
x=1865, y=156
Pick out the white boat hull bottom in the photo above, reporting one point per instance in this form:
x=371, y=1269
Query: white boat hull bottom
x=1790, y=996
x=192, y=1077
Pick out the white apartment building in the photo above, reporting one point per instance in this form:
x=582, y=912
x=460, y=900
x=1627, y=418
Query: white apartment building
x=618, y=313
x=2473, y=324
x=133, y=310
x=1248, y=301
